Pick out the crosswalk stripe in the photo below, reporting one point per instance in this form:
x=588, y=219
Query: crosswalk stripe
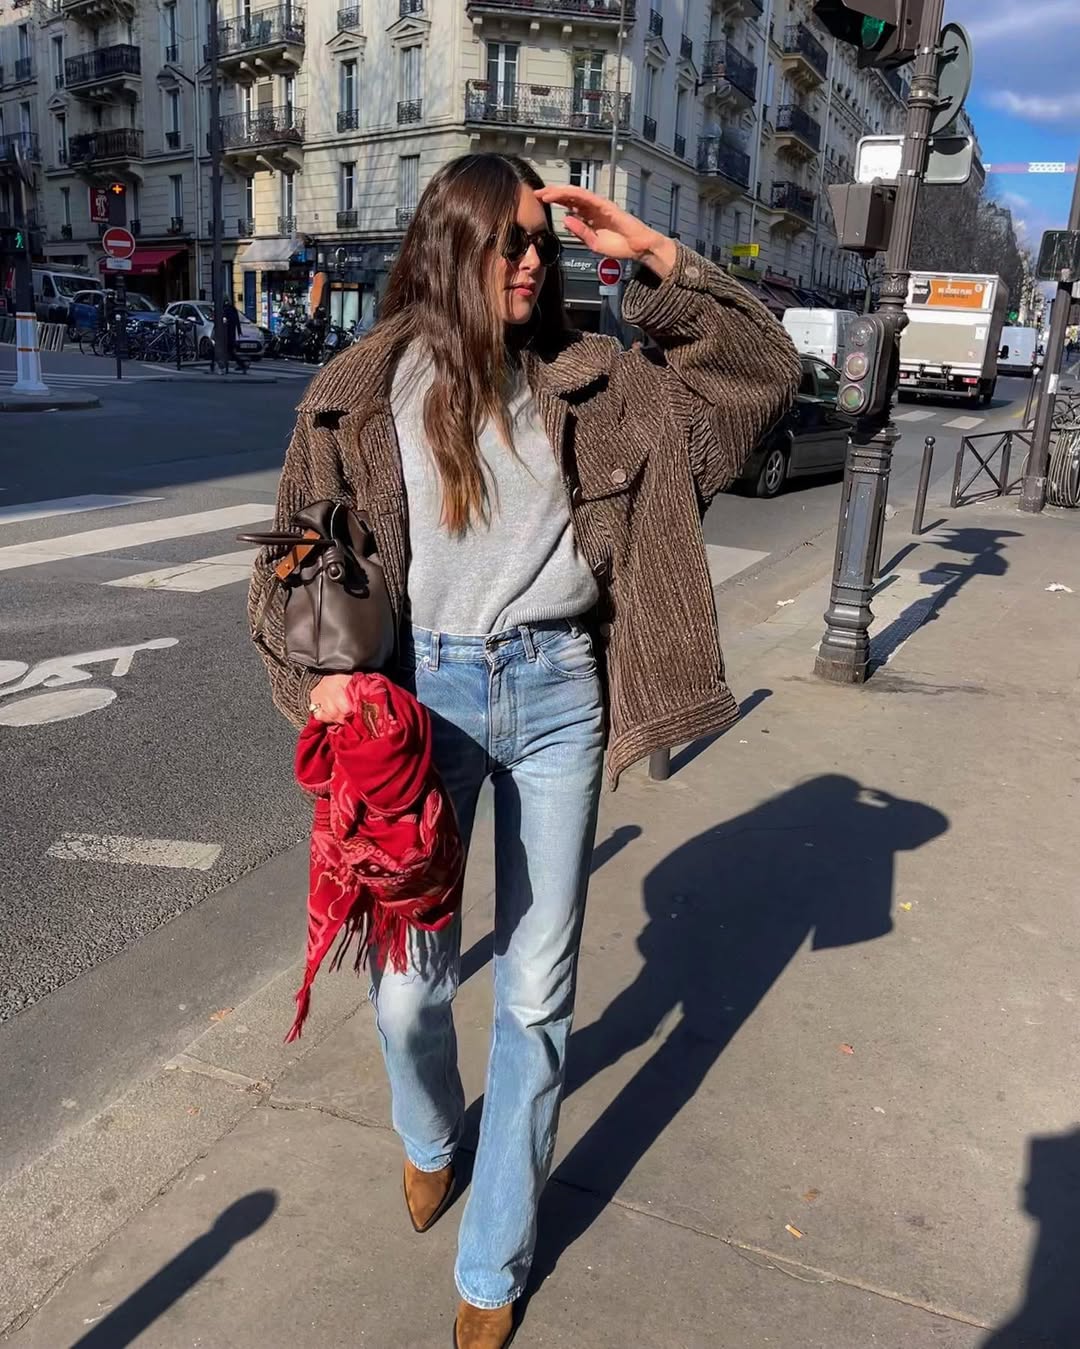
x=915, y=415
x=44, y=510
x=966, y=423
x=119, y=537
x=724, y=562
x=205, y=573
x=148, y=852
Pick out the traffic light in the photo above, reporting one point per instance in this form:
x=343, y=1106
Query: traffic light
x=884, y=33
x=12, y=241
x=869, y=353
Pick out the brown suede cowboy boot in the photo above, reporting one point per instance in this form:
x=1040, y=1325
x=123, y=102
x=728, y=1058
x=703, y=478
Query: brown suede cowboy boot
x=427, y=1194
x=480, y=1328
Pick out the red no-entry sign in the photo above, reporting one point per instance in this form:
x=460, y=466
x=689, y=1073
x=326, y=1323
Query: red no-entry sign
x=118, y=242
x=609, y=271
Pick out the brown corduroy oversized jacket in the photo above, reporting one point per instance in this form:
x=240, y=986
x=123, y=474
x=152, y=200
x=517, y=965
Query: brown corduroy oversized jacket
x=644, y=440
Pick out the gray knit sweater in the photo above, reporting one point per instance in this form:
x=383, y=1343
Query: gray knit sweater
x=521, y=567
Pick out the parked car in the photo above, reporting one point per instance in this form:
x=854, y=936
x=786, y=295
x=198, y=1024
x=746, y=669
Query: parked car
x=54, y=291
x=87, y=308
x=201, y=314
x=810, y=438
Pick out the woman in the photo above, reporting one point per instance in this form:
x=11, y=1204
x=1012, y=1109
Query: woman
x=536, y=497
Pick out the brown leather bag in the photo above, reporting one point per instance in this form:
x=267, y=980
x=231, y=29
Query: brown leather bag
x=338, y=615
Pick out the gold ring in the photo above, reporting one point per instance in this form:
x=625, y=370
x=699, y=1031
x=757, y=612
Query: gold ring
x=314, y=707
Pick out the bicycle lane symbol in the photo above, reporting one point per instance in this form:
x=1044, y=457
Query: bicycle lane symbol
x=63, y=703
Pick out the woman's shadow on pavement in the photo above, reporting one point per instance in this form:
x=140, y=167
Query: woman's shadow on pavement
x=726, y=913
x=1050, y=1315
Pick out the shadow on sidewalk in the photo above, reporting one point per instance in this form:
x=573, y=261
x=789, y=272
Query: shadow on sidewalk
x=984, y=551
x=726, y=912
x=1050, y=1315
x=125, y=1323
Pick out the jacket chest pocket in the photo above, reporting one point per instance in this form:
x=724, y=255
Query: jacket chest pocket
x=608, y=456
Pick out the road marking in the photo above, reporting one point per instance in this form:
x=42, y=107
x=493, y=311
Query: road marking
x=120, y=537
x=205, y=573
x=966, y=423
x=44, y=510
x=915, y=415
x=146, y=852
x=62, y=705
x=55, y=381
x=724, y=562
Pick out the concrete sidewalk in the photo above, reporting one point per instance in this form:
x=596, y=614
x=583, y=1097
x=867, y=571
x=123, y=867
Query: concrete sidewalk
x=822, y=1088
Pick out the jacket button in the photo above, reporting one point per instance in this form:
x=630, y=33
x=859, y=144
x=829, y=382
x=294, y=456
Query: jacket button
x=618, y=476
x=693, y=273
x=575, y=496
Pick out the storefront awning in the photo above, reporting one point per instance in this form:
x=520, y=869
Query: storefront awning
x=147, y=261
x=270, y=255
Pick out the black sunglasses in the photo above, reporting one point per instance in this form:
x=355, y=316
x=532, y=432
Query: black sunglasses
x=519, y=241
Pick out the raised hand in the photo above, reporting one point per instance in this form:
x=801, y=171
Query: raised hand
x=608, y=229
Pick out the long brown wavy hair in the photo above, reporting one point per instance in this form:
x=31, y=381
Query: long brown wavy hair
x=442, y=292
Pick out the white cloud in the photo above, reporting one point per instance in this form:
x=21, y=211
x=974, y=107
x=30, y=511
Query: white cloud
x=1014, y=201
x=1037, y=107
x=996, y=22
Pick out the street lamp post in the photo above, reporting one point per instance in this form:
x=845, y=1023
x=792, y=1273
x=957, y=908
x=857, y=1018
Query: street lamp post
x=844, y=654
x=217, y=267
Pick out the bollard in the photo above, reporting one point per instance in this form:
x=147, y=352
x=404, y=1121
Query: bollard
x=179, y=344
x=660, y=765
x=924, y=484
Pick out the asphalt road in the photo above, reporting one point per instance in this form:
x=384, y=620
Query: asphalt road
x=133, y=827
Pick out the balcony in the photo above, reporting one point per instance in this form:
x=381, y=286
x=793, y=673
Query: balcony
x=349, y=120
x=286, y=226
x=348, y=18
x=679, y=146
x=656, y=23
x=245, y=226
x=266, y=42
x=586, y=112
x=895, y=81
x=23, y=70
x=726, y=167
x=797, y=133
x=686, y=48
x=269, y=138
x=410, y=110
x=407, y=7
x=172, y=140
x=404, y=216
x=739, y=9
x=10, y=146
x=107, y=73
x=96, y=13
x=648, y=128
x=716, y=253
x=733, y=77
x=796, y=205
x=347, y=220
x=112, y=146
x=805, y=60
x=172, y=54
x=176, y=225
x=598, y=13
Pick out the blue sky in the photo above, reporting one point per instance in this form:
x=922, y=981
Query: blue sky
x=1025, y=99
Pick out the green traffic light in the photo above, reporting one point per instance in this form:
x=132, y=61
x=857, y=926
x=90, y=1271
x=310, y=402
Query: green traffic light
x=872, y=31
x=20, y=239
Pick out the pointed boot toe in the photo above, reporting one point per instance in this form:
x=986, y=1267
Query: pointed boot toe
x=427, y=1194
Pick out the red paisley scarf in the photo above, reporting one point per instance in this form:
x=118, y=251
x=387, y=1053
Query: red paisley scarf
x=386, y=855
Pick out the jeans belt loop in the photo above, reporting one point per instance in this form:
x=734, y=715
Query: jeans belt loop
x=527, y=642
x=433, y=653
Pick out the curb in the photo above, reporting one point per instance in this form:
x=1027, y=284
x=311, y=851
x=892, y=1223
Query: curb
x=32, y=403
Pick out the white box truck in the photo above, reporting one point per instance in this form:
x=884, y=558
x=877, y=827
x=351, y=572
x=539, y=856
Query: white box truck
x=951, y=343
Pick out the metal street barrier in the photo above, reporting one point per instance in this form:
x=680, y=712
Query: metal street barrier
x=985, y=454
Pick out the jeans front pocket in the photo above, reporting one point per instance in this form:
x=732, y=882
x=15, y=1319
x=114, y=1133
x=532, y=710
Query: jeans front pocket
x=568, y=654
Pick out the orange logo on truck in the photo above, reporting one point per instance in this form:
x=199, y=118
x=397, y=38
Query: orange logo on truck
x=945, y=292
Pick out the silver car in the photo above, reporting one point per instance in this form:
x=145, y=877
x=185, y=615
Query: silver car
x=201, y=315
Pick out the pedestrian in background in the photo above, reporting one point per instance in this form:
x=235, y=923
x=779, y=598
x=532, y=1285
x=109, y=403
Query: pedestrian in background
x=231, y=315
x=535, y=493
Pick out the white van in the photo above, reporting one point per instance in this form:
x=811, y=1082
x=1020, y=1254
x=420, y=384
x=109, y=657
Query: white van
x=1019, y=349
x=819, y=332
x=54, y=291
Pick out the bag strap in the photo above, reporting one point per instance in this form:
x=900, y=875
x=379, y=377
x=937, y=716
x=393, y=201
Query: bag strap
x=288, y=564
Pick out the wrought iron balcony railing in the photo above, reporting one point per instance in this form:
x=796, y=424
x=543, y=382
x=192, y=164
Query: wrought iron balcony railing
x=716, y=158
x=105, y=63
x=723, y=62
x=264, y=126
x=791, y=197
x=799, y=41
x=790, y=117
x=280, y=25
x=542, y=105
x=122, y=142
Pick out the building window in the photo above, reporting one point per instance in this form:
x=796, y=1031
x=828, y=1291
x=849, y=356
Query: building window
x=408, y=187
x=24, y=42
x=288, y=201
x=249, y=199
x=168, y=23
x=65, y=205
x=176, y=188
x=412, y=79
x=61, y=139
x=172, y=119
x=25, y=124
x=502, y=69
x=644, y=194
x=717, y=223
x=673, y=211
x=649, y=94
x=288, y=91
x=133, y=201
x=585, y=173
x=58, y=61
x=680, y=112
x=348, y=187
x=348, y=86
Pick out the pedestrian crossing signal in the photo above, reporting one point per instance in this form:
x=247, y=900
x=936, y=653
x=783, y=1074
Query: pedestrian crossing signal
x=883, y=32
